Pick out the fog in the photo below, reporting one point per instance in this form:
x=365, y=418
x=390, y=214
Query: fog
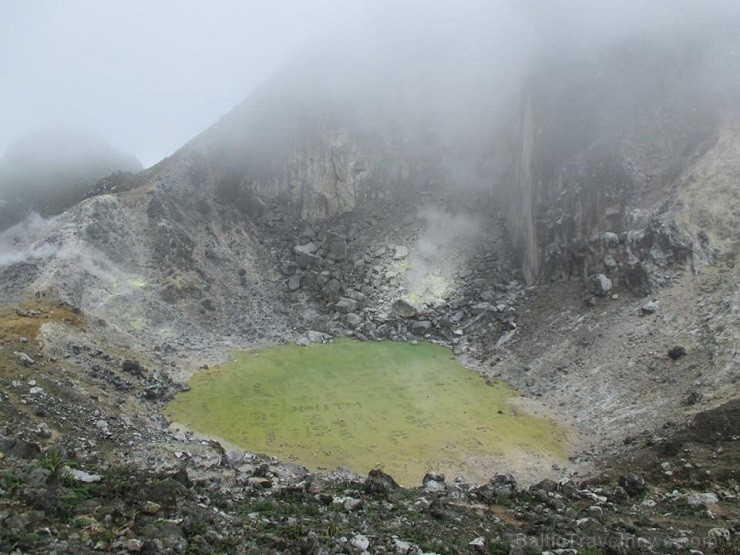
x=150, y=76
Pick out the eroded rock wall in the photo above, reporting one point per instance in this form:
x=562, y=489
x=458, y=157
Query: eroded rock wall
x=596, y=156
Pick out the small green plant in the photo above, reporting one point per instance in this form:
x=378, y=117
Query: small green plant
x=265, y=507
x=52, y=460
x=499, y=547
x=13, y=478
x=332, y=529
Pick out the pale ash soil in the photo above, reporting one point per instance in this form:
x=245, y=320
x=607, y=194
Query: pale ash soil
x=607, y=366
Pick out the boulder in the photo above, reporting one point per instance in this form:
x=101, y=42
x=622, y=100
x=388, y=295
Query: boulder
x=331, y=290
x=294, y=282
x=421, y=326
x=307, y=260
x=308, y=248
x=133, y=367
x=501, y=486
x=650, y=307
x=353, y=320
x=600, y=285
x=378, y=481
x=480, y=308
x=317, y=336
x=700, y=500
x=336, y=246
x=81, y=475
x=345, y=305
x=432, y=477
x=401, y=253
x=25, y=359
x=610, y=264
x=360, y=542
x=676, y=352
x=637, y=278
x=403, y=309
x=610, y=239
x=633, y=484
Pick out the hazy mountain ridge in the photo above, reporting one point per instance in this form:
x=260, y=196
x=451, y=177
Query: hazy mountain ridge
x=52, y=169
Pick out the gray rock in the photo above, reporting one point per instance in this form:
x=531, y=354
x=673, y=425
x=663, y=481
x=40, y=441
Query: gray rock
x=401, y=253
x=353, y=320
x=610, y=239
x=500, y=486
x=337, y=246
x=317, y=336
x=345, y=305
x=610, y=264
x=434, y=487
x=480, y=308
x=421, y=326
x=403, y=309
x=25, y=359
x=650, y=307
x=478, y=544
x=306, y=260
x=637, y=278
x=308, y=248
x=401, y=547
x=600, y=285
x=233, y=457
x=81, y=475
x=294, y=282
x=698, y=500
x=360, y=542
x=633, y=484
x=352, y=504
x=287, y=268
x=330, y=291
x=133, y=367
x=432, y=477
x=378, y=481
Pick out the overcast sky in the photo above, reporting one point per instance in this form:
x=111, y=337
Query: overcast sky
x=149, y=75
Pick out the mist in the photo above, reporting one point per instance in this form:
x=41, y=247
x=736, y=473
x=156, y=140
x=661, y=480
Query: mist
x=54, y=168
x=149, y=78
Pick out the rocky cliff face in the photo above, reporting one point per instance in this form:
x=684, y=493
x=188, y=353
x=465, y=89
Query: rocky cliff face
x=597, y=152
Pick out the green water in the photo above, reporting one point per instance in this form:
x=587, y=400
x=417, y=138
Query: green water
x=404, y=408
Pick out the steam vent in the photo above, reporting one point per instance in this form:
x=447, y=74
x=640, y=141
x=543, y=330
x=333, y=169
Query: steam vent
x=361, y=278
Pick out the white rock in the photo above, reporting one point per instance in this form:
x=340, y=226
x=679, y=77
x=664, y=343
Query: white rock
x=478, y=543
x=81, y=475
x=308, y=248
x=360, y=542
x=303, y=341
x=401, y=547
x=696, y=500
x=24, y=358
